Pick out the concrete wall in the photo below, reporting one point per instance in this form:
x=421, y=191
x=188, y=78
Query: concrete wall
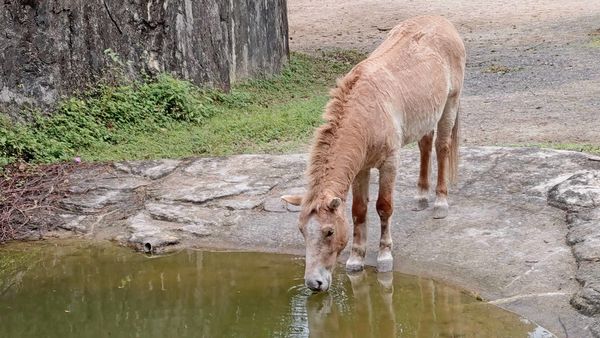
x=50, y=48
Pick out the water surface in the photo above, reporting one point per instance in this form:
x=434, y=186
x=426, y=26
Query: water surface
x=76, y=290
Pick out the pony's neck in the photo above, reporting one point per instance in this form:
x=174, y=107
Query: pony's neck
x=338, y=155
x=339, y=149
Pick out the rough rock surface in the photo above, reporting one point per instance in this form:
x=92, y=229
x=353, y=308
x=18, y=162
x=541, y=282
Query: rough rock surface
x=54, y=47
x=579, y=195
x=580, y=191
x=502, y=239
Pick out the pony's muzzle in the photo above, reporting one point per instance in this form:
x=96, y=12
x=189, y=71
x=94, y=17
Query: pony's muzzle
x=318, y=282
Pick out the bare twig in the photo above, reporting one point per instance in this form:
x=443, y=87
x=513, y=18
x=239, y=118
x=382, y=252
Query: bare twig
x=27, y=193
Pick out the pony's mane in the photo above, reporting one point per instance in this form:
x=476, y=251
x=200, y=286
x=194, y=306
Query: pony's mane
x=320, y=163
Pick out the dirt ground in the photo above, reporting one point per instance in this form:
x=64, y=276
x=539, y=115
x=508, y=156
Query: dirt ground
x=533, y=68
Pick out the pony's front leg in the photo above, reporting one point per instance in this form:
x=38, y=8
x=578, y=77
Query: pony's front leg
x=385, y=209
x=360, y=198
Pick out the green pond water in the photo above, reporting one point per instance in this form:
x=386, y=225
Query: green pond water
x=78, y=290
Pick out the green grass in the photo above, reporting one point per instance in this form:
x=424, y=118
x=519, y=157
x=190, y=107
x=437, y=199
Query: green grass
x=275, y=129
x=595, y=41
x=594, y=38
x=500, y=69
x=582, y=147
x=170, y=118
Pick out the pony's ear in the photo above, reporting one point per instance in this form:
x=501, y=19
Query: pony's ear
x=334, y=203
x=292, y=199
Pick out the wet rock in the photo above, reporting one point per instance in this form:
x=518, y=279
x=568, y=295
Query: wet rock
x=151, y=169
x=579, y=191
x=149, y=235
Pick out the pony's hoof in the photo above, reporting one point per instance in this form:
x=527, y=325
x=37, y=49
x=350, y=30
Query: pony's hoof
x=440, y=211
x=385, y=262
x=354, y=265
x=422, y=204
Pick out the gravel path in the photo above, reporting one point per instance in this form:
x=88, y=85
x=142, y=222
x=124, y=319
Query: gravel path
x=533, y=72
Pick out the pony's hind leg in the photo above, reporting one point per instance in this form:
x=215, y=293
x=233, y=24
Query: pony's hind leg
x=422, y=197
x=446, y=152
x=360, y=198
x=385, y=208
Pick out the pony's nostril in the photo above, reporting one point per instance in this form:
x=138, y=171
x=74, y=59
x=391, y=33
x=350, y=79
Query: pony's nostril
x=314, y=284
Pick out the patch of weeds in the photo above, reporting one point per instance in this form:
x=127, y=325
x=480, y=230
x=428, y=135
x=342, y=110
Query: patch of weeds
x=348, y=57
x=594, y=42
x=106, y=114
x=594, y=38
x=167, y=117
x=500, y=69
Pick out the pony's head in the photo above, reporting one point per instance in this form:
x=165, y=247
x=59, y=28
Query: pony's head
x=324, y=226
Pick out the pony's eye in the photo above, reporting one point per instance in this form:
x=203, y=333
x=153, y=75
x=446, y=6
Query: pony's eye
x=329, y=233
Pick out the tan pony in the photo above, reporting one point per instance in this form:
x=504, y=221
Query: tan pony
x=407, y=90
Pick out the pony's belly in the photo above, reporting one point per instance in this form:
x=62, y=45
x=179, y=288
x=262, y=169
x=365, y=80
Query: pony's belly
x=418, y=127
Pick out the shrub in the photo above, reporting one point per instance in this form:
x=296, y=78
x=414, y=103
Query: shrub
x=105, y=114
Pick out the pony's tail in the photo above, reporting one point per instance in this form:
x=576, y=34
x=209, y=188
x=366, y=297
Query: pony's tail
x=453, y=155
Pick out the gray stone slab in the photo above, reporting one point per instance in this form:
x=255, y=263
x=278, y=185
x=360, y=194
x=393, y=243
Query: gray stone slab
x=197, y=229
x=192, y=214
x=94, y=201
x=206, y=179
x=276, y=204
x=151, y=169
x=239, y=202
x=186, y=213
